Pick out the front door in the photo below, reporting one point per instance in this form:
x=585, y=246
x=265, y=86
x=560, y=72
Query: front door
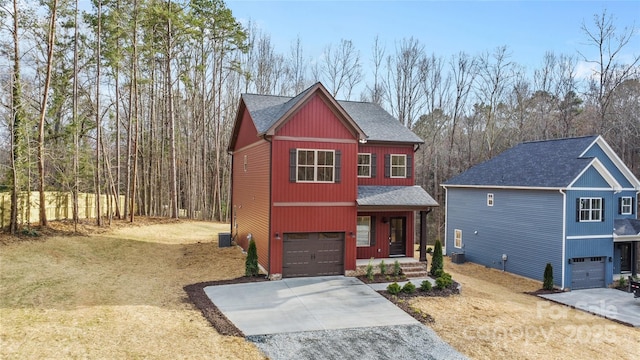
x=397, y=236
x=625, y=257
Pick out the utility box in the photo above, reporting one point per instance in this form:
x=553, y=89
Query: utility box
x=224, y=240
x=457, y=258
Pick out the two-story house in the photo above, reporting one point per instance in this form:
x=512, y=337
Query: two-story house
x=318, y=183
x=569, y=202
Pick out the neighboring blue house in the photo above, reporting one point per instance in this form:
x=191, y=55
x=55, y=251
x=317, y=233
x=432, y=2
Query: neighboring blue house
x=568, y=202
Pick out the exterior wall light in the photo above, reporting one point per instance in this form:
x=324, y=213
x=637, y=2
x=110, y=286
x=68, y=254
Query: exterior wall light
x=277, y=236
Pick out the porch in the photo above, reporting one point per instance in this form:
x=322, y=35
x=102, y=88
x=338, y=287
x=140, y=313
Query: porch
x=411, y=267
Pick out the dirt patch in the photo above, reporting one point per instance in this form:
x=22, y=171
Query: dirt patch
x=495, y=318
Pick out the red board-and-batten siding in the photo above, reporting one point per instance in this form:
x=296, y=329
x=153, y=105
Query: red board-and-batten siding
x=251, y=189
x=381, y=150
x=314, y=207
x=381, y=247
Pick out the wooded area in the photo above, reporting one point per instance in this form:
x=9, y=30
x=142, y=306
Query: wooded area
x=137, y=98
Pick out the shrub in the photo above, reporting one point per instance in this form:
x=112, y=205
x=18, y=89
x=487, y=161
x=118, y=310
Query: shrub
x=383, y=268
x=251, y=263
x=394, y=288
x=429, y=250
x=438, y=273
x=369, y=271
x=622, y=283
x=444, y=281
x=425, y=285
x=409, y=288
x=436, y=261
x=396, y=268
x=548, y=277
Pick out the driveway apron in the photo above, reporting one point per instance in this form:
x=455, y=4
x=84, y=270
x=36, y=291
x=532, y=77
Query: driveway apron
x=305, y=304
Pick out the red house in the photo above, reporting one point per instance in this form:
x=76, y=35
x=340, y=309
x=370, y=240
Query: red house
x=318, y=183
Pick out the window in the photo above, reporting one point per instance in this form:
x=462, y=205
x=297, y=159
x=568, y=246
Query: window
x=590, y=209
x=457, y=240
x=364, y=165
x=245, y=163
x=489, y=199
x=315, y=165
x=398, y=166
x=364, y=231
x=626, y=205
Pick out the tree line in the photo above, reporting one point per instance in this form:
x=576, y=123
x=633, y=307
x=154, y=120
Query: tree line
x=138, y=98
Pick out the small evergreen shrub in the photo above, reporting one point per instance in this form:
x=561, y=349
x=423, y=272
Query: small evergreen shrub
x=425, y=285
x=369, y=271
x=438, y=273
x=548, y=277
x=436, y=261
x=251, y=262
x=429, y=250
x=622, y=283
x=408, y=288
x=394, y=288
x=444, y=281
x=383, y=268
x=396, y=268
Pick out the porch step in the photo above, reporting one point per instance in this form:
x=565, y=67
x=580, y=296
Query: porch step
x=414, y=270
x=411, y=268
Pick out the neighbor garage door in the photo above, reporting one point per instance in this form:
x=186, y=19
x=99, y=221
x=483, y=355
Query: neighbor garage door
x=587, y=273
x=313, y=254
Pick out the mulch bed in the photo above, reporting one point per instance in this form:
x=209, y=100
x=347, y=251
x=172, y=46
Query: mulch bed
x=220, y=322
x=210, y=311
x=543, y=292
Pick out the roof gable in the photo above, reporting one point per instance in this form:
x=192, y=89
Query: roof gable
x=598, y=177
x=611, y=161
x=369, y=121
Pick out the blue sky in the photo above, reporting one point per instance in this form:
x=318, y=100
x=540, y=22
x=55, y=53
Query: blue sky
x=527, y=28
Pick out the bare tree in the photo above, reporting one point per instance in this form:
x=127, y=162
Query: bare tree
x=341, y=68
x=375, y=92
x=297, y=67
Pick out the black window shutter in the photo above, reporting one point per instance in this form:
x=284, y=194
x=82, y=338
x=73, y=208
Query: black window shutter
x=578, y=210
x=338, y=164
x=409, y=166
x=387, y=165
x=603, y=210
x=372, y=231
x=292, y=165
x=633, y=205
x=374, y=165
x=620, y=205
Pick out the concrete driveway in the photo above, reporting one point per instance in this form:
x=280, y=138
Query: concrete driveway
x=305, y=304
x=609, y=303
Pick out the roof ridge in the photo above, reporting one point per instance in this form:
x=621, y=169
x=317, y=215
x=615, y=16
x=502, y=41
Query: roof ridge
x=559, y=139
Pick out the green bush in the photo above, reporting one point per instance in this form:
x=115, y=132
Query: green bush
x=438, y=273
x=396, y=268
x=383, y=268
x=409, y=288
x=369, y=271
x=429, y=250
x=622, y=283
x=251, y=263
x=548, y=277
x=444, y=281
x=425, y=285
x=436, y=261
x=394, y=289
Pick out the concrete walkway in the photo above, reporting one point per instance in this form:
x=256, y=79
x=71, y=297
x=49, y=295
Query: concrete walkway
x=609, y=303
x=305, y=304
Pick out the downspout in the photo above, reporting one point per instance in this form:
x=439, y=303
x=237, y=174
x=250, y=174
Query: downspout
x=564, y=235
x=446, y=218
x=233, y=209
x=264, y=137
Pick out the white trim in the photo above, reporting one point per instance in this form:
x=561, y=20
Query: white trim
x=455, y=238
x=490, y=201
x=370, y=165
x=391, y=166
x=630, y=206
x=368, y=231
x=615, y=159
x=505, y=187
x=587, y=237
x=564, y=236
x=625, y=238
x=602, y=170
x=589, y=210
x=316, y=167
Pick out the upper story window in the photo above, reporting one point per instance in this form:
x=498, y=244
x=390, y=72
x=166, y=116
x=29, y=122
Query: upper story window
x=626, y=205
x=489, y=199
x=398, y=166
x=364, y=165
x=314, y=165
x=590, y=209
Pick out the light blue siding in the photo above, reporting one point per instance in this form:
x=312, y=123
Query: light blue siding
x=591, y=248
x=526, y=225
x=596, y=151
x=591, y=179
x=576, y=228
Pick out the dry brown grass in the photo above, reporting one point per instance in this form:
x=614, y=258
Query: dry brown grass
x=494, y=319
x=115, y=294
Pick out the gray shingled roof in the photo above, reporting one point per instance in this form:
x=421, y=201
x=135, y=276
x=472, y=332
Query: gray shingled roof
x=546, y=164
x=377, y=124
x=406, y=196
x=623, y=227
